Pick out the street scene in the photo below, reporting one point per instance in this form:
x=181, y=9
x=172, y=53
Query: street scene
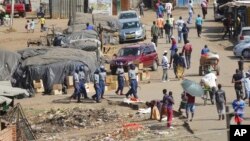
x=103, y=70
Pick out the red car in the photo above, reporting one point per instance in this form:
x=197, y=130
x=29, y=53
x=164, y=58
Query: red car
x=20, y=7
x=143, y=53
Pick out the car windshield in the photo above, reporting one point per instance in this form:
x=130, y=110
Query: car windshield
x=129, y=25
x=246, y=32
x=128, y=16
x=129, y=52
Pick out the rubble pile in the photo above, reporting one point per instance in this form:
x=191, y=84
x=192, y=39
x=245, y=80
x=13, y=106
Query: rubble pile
x=72, y=118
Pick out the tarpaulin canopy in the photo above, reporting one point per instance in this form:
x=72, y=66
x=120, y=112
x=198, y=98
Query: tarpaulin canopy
x=236, y=4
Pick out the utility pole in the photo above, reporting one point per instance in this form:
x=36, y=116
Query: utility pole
x=74, y=6
x=12, y=14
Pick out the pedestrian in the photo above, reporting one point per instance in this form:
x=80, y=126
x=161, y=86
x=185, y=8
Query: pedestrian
x=167, y=28
x=169, y=101
x=246, y=83
x=205, y=50
x=173, y=48
x=163, y=110
x=165, y=66
x=42, y=22
x=198, y=24
x=220, y=99
x=89, y=27
x=227, y=25
x=133, y=82
x=160, y=10
x=238, y=106
x=154, y=33
x=185, y=31
x=190, y=106
x=27, y=26
x=190, y=11
x=76, y=85
x=241, y=64
x=183, y=102
x=172, y=23
x=120, y=78
x=175, y=61
x=102, y=79
x=155, y=109
x=97, y=95
x=181, y=65
x=82, y=81
x=32, y=25
x=141, y=8
x=210, y=80
x=168, y=7
x=160, y=25
x=187, y=51
x=179, y=24
x=204, y=5
x=237, y=77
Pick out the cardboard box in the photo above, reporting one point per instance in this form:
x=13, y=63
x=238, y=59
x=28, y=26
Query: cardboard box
x=56, y=92
x=70, y=81
x=89, y=87
x=143, y=76
x=38, y=83
x=113, y=86
x=111, y=79
x=57, y=87
x=106, y=88
x=140, y=66
x=39, y=90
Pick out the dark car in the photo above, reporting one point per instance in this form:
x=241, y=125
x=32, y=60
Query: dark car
x=142, y=53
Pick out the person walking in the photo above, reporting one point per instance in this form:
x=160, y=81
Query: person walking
x=120, y=78
x=173, y=48
x=210, y=80
x=204, y=5
x=227, y=25
x=172, y=23
x=220, y=99
x=133, y=82
x=190, y=11
x=141, y=8
x=42, y=22
x=246, y=83
x=27, y=26
x=97, y=95
x=198, y=24
x=187, y=51
x=241, y=64
x=160, y=10
x=154, y=33
x=237, y=77
x=238, y=106
x=82, y=80
x=77, y=85
x=165, y=65
x=179, y=24
x=168, y=7
x=190, y=106
x=102, y=80
x=168, y=103
x=32, y=25
x=205, y=50
x=181, y=65
x=185, y=31
x=167, y=28
x=175, y=62
x=160, y=25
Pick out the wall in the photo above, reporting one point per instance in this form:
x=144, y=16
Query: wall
x=8, y=134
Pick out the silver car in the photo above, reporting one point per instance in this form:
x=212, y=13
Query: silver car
x=131, y=30
x=242, y=49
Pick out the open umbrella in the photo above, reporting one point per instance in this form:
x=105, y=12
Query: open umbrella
x=192, y=88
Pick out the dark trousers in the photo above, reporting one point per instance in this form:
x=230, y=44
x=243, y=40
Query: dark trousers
x=155, y=39
x=227, y=31
x=141, y=12
x=97, y=95
x=102, y=87
x=185, y=37
x=42, y=27
x=133, y=88
x=77, y=92
x=188, y=60
x=161, y=32
x=199, y=28
x=120, y=84
x=211, y=94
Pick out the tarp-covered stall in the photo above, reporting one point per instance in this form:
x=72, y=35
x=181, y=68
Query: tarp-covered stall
x=52, y=65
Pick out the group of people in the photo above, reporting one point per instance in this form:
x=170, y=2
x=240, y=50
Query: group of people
x=30, y=25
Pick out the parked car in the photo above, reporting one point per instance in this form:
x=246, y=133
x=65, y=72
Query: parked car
x=244, y=34
x=132, y=31
x=126, y=15
x=142, y=53
x=242, y=49
x=20, y=7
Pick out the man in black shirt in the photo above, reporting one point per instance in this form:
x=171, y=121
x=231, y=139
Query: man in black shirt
x=175, y=62
x=237, y=83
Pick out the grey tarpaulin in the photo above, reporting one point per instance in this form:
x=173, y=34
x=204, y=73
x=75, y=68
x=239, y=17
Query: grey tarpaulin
x=79, y=36
x=8, y=63
x=85, y=44
x=52, y=65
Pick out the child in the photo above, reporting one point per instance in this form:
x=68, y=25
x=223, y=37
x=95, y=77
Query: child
x=27, y=26
x=32, y=25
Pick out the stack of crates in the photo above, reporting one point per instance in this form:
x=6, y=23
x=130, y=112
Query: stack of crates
x=38, y=86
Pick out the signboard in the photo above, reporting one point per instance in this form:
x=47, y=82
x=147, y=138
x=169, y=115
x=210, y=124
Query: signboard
x=101, y=6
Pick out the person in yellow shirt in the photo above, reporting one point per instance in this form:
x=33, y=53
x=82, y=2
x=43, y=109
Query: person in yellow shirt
x=160, y=25
x=42, y=22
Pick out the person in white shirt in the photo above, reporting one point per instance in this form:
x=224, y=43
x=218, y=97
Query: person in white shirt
x=168, y=7
x=179, y=24
x=246, y=84
x=190, y=12
x=165, y=66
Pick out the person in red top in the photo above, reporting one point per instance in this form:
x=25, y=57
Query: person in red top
x=190, y=107
x=187, y=50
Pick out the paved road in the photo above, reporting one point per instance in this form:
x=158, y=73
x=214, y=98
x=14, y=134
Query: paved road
x=205, y=125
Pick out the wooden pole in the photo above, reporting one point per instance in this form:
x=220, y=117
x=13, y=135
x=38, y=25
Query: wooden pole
x=228, y=117
x=12, y=14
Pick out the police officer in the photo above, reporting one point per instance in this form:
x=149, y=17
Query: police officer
x=77, y=85
x=97, y=86
x=120, y=78
x=82, y=82
x=133, y=81
x=102, y=78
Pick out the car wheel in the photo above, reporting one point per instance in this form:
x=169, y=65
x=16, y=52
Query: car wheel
x=155, y=66
x=246, y=53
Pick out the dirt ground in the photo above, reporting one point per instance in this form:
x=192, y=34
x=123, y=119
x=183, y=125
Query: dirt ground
x=205, y=126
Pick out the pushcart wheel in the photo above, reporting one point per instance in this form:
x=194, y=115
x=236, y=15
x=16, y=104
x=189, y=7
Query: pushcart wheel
x=200, y=71
x=218, y=70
